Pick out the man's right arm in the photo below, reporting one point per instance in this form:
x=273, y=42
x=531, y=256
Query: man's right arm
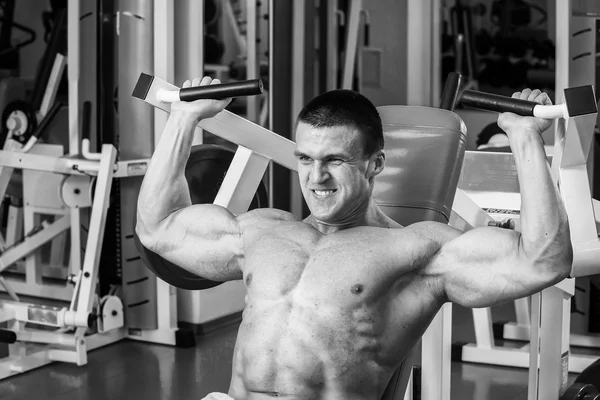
x=204, y=239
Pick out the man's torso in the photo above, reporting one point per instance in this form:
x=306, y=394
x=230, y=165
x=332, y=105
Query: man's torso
x=329, y=316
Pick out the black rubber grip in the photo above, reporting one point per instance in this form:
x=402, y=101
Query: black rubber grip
x=450, y=93
x=7, y=336
x=47, y=119
x=222, y=90
x=86, y=120
x=495, y=102
x=57, y=43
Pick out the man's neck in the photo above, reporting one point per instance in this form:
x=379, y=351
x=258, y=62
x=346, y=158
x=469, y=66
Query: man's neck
x=370, y=215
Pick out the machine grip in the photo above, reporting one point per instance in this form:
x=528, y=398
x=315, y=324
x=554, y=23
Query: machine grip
x=495, y=102
x=47, y=119
x=450, y=93
x=7, y=336
x=86, y=120
x=222, y=91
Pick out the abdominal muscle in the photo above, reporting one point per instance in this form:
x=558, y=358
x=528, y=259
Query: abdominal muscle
x=287, y=350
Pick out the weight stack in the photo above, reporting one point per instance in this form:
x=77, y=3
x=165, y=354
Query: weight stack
x=136, y=127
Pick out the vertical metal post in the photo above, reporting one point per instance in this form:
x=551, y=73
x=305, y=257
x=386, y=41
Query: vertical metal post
x=352, y=44
x=189, y=52
x=333, y=22
x=554, y=345
x=164, y=56
x=252, y=70
x=534, y=347
x=73, y=44
x=298, y=86
x=420, y=50
x=435, y=356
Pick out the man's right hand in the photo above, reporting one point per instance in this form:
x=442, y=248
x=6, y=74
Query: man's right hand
x=515, y=124
x=199, y=109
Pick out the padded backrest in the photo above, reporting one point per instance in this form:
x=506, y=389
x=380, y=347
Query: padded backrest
x=424, y=149
x=424, y=152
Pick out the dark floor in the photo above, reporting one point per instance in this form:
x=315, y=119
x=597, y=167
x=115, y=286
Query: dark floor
x=134, y=370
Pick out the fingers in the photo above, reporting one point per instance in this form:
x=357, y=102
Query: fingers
x=207, y=80
x=532, y=95
x=544, y=99
x=187, y=83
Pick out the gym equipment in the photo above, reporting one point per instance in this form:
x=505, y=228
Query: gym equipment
x=9, y=53
x=79, y=186
x=581, y=101
x=577, y=118
x=575, y=46
x=22, y=117
x=205, y=170
x=220, y=91
x=420, y=155
x=429, y=144
x=580, y=391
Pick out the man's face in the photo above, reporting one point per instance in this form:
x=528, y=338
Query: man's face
x=334, y=172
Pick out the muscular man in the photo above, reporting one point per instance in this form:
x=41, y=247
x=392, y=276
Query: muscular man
x=336, y=301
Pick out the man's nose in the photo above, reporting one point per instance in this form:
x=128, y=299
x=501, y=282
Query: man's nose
x=319, y=173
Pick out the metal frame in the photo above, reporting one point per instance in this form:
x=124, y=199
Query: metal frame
x=70, y=323
x=550, y=310
x=547, y=359
x=32, y=348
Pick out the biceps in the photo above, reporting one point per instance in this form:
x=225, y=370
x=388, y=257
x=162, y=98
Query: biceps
x=486, y=266
x=204, y=239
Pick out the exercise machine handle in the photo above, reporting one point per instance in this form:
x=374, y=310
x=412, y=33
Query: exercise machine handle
x=498, y=103
x=450, y=93
x=220, y=91
x=7, y=336
x=47, y=119
x=495, y=102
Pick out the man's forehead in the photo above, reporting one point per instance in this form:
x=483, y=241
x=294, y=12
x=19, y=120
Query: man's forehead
x=332, y=134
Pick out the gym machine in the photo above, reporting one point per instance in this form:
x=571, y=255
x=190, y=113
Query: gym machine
x=575, y=66
x=23, y=123
x=550, y=308
x=65, y=321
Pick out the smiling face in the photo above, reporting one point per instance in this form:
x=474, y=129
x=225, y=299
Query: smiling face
x=336, y=176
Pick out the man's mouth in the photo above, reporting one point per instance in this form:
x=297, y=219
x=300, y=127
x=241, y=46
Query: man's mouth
x=324, y=193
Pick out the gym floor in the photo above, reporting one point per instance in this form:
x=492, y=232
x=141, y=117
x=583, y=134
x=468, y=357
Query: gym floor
x=134, y=370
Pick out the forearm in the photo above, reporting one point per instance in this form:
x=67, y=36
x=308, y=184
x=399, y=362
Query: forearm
x=164, y=188
x=545, y=237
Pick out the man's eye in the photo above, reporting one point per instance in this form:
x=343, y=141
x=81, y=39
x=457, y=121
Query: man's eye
x=336, y=161
x=304, y=158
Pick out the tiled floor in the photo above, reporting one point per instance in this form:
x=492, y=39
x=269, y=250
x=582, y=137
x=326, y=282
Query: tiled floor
x=133, y=370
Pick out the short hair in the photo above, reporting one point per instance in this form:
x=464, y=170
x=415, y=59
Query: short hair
x=344, y=107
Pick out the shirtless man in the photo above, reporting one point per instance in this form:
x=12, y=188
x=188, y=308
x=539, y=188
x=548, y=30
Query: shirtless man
x=336, y=301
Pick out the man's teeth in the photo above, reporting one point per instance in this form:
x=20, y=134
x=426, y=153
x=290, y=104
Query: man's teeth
x=323, y=192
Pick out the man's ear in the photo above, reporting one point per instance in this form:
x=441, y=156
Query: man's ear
x=376, y=163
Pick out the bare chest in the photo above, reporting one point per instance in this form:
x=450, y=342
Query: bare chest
x=348, y=306
x=323, y=268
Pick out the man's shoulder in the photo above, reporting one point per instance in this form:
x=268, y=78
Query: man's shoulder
x=437, y=231
x=265, y=216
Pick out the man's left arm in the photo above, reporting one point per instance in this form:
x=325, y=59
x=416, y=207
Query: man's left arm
x=488, y=265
